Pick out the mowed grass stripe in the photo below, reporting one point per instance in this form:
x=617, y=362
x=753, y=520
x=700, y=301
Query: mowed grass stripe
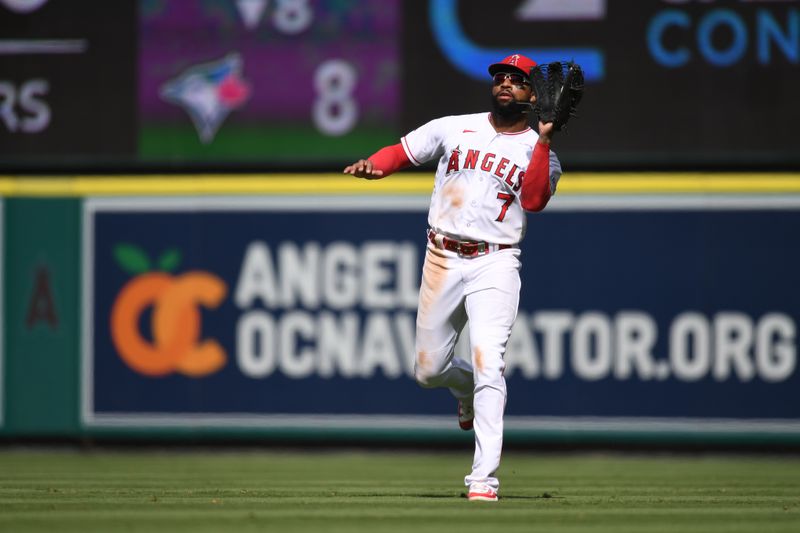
x=266, y=491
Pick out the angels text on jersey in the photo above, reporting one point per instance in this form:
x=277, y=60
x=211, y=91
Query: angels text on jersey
x=478, y=176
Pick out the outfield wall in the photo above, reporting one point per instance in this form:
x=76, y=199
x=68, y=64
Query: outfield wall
x=655, y=308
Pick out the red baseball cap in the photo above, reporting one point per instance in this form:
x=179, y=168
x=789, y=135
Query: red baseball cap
x=512, y=62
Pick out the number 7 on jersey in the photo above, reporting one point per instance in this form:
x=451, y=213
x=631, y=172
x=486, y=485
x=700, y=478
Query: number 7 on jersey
x=508, y=199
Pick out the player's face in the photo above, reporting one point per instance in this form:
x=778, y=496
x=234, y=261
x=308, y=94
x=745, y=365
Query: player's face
x=508, y=88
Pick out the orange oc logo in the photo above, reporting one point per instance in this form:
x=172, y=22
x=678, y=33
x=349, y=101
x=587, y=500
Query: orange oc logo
x=175, y=320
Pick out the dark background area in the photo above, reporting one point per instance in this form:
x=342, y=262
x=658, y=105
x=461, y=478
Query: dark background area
x=640, y=115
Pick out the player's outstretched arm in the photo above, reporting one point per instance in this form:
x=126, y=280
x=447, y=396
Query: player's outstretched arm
x=380, y=164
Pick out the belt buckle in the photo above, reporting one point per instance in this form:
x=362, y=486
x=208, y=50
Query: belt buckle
x=471, y=249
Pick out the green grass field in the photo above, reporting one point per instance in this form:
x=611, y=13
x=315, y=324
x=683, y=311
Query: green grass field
x=246, y=491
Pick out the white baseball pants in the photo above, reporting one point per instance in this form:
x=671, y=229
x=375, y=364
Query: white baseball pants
x=484, y=290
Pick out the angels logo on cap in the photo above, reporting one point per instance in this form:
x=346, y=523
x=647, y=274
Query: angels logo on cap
x=515, y=62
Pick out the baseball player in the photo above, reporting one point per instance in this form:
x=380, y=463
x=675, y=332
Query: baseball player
x=492, y=168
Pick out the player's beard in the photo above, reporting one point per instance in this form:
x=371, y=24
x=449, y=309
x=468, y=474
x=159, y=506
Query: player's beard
x=510, y=109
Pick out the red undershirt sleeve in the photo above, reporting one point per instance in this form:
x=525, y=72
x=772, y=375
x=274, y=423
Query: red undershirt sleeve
x=390, y=159
x=536, y=184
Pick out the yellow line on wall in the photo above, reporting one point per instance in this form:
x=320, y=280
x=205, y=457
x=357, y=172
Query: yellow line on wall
x=679, y=183
x=409, y=183
x=216, y=184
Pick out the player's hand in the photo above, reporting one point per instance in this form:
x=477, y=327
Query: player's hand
x=363, y=169
x=546, y=132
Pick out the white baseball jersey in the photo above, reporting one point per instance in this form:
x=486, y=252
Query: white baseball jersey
x=479, y=176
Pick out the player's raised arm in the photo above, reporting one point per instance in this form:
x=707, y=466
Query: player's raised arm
x=536, y=187
x=380, y=164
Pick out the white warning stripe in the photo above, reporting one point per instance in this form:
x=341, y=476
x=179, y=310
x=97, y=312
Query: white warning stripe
x=638, y=425
x=421, y=203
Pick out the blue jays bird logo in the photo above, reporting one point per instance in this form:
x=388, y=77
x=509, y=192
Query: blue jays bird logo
x=208, y=93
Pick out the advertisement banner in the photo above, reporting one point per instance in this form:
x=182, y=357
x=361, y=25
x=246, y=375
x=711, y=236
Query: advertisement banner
x=268, y=312
x=674, y=83
x=281, y=83
x=67, y=81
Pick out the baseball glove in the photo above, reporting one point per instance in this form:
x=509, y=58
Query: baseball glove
x=558, y=87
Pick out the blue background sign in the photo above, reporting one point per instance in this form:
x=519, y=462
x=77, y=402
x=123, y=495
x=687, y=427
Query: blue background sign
x=661, y=314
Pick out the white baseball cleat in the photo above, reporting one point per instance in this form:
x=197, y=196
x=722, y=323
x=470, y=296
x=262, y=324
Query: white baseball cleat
x=481, y=492
x=466, y=414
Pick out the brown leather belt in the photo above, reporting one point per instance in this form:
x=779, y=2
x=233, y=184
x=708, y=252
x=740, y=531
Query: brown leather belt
x=464, y=248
